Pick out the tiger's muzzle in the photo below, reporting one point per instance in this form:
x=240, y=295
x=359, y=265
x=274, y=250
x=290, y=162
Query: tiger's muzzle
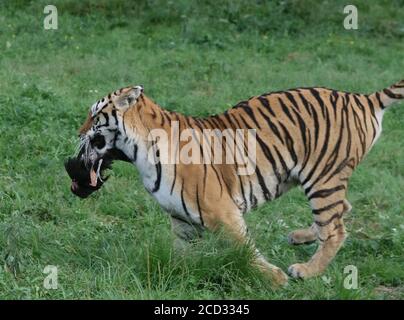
x=87, y=175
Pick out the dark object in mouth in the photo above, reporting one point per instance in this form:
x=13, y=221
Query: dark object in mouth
x=81, y=178
x=81, y=174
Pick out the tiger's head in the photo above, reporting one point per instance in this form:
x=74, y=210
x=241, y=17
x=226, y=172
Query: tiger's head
x=101, y=139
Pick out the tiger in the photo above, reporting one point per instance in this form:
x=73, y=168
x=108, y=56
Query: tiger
x=312, y=137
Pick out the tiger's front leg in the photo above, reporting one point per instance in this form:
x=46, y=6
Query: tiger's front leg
x=235, y=226
x=184, y=233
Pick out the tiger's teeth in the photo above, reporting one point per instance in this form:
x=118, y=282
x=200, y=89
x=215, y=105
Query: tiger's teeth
x=93, y=178
x=99, y=170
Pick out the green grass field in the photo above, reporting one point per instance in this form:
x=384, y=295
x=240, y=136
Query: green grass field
x=197, y=59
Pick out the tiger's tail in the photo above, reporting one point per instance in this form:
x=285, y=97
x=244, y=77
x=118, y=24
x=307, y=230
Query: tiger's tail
x=391, y=94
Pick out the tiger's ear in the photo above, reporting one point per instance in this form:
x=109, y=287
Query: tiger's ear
x=128, y=98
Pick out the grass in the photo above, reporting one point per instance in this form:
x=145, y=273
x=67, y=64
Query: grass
x=198, y=59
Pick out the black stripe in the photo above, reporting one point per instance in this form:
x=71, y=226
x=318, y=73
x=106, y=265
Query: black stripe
x=339, y=168
x=292, y=100
x=363, y=108
x=286, y=110
x=212, y=124
x=372, y=117
x=307, y=155
x=324, y=193
x=253, y=198
x=349, y=131
x=162, y=120
x=323, y=149
x=334, y=102
x=326, y=239
x=282, y=161
x=371, y=107
x=175, y=178
x=265, y=103
x=359, y=129
x=182, y=200
x=327, y=208
x=393, y=95
x=124, y=127
x=289, y=143
x=228, y=118
x=106, y=124
x=158, y=172
x=261, y=181
x=113, y=113
x=268, y=154
x=199, y=205
x=218, y=178
x=247, y=109
x=302, y=127
x=135, y=152
x=316, y=125
x=327, y=222
x=381, y=105
x=216, y=122
x=237, y=134
x=167, y=117
x=271, y=125
x=306, y=103
x=242, y=193
x=117, y=134
x=187, y=122
x=265, y=191
x=320, y=101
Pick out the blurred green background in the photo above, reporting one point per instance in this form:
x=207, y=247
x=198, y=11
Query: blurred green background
x=200, y=58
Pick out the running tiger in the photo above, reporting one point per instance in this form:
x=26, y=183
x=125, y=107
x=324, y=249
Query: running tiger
x=312, y=137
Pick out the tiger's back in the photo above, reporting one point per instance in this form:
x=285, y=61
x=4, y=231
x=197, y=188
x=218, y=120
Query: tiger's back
x=307, y=135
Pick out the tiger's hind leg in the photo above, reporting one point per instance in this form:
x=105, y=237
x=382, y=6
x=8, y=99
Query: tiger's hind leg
x=303, y=236
x=309, y=235
x=329, y=205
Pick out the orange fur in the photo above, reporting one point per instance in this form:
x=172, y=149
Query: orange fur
x=313, y=137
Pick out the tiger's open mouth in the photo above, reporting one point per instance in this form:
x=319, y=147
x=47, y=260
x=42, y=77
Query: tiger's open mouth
x=87, y=178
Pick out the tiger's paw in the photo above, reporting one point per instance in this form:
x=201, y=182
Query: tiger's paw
x=301, y=236
x=275, y=275
x=299, y=271
x=279, y=277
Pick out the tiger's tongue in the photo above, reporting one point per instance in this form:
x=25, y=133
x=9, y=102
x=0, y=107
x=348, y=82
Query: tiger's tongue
x=93, y=178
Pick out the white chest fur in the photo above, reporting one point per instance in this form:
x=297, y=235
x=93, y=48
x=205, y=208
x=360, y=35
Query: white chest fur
x=158, y=181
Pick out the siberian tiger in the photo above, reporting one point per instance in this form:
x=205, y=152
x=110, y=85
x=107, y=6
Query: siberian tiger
x=312, y=137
